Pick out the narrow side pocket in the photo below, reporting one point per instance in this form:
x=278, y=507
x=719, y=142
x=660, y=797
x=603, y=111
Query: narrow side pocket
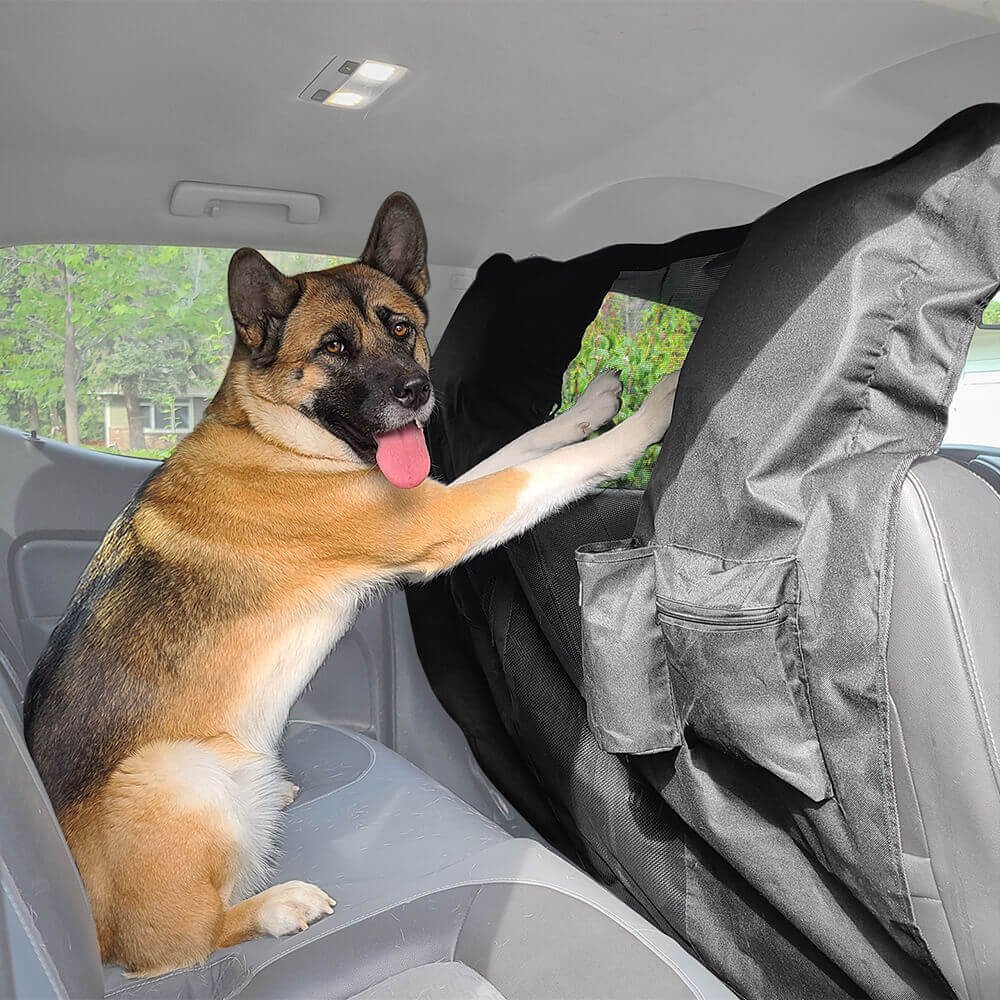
x=630, y=706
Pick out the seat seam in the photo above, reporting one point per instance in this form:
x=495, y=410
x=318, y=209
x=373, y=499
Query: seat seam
x=913, y=784
x=923, y=829
x=465, y=918
x=10, y=672
x=972, y=675
x=355, y=779
x=30, y=929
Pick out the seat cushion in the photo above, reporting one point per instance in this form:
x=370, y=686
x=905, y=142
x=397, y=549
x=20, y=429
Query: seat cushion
x=434, y=981
x=430, y=896
x=367, y=826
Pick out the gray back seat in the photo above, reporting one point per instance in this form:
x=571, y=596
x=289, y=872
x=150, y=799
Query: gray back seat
x=429, y=891
x=430, y=894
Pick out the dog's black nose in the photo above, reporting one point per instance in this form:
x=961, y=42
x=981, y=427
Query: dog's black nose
x=412, y=390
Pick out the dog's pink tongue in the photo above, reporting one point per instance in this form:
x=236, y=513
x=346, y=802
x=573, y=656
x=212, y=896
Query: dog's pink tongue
x=403, y=457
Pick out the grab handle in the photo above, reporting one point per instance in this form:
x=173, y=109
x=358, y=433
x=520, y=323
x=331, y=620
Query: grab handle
x=194, y=198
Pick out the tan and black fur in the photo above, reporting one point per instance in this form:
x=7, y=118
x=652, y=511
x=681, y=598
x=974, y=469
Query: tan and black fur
x=155, y=713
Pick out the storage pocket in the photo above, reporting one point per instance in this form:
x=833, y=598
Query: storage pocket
x=730, y=633
x=626, y=684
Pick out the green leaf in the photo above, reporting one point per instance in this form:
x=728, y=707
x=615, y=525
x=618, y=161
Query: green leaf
x=644, y=341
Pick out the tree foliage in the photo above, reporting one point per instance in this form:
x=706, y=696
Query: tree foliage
x=77, y=321
x=991, y=315
x=644, y=341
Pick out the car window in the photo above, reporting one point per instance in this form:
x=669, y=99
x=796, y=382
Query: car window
x=642, y=339
x=118, y=348
x=974, y=417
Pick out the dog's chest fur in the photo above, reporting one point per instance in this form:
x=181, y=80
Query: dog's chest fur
x=287, y=663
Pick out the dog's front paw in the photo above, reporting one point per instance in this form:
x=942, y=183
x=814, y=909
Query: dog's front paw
x=288, y=793
x=291, y=907
x=598, y=404
x=658, y=407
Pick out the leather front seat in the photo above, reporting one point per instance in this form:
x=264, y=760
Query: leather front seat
x=944, y=686
x=987, y=467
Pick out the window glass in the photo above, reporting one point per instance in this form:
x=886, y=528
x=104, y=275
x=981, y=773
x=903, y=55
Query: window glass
x=182, y=417
x=974, y=417
x=163, y=417
x=118, y=348
x=645, y=341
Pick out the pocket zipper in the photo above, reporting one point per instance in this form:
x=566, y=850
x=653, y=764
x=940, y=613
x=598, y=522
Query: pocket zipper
x=736, y=618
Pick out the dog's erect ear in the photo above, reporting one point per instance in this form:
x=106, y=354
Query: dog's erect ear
x=260, y=298
x=397, y=244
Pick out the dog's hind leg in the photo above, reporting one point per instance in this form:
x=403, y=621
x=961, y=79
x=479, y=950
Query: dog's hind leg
x=177, y=830
x=597, y=405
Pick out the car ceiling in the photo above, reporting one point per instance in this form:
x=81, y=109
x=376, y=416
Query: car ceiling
x=532, y=127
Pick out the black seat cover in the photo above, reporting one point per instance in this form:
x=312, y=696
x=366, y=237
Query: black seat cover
x=740, y=666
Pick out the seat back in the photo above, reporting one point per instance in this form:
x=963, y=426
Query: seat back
x=48, y=944
x=943, y=663
x=987, y=467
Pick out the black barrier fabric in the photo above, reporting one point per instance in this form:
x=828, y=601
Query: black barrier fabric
x=762, y=560
x=498, y=369
x=733, y=649
x=497, y=373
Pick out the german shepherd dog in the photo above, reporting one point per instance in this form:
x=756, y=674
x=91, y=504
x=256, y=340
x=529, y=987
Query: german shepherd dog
x=156, y=712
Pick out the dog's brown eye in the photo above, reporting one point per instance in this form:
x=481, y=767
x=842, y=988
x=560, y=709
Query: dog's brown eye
x=400, y=328
x=334, y=347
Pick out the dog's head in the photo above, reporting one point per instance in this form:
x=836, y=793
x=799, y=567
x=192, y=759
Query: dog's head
x=345, y=347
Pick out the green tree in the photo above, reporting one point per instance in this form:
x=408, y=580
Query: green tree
x=76, y=321
x=41, y=346
x=991, y=315
x=644, y=341
x=162, y=324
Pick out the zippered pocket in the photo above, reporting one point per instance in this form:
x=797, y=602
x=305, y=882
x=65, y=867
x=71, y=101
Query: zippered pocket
x=730, y=638
x=718, y=619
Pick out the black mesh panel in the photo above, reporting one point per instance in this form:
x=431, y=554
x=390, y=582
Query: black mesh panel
x=632, y=839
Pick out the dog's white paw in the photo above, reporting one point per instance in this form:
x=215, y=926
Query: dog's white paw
x=291, y=907
x=658, y=408
x=289, y=791
x=598, y=403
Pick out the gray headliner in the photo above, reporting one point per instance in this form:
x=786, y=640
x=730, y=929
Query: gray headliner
x=532, y=127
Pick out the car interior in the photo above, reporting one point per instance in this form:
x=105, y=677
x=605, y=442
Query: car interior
x=478, y=798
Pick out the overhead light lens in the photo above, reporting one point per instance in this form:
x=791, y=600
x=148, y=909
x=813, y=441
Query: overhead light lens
x=344, y=99
x=369, y=81
x=379, y=72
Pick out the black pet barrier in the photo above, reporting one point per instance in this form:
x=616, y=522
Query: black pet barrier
x=727, y=766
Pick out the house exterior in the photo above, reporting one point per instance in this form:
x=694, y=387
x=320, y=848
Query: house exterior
x=163, y=425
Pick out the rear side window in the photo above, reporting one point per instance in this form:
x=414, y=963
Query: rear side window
x=118, y=348
x=974, y=418
x=647, y=340
x=642, y=339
